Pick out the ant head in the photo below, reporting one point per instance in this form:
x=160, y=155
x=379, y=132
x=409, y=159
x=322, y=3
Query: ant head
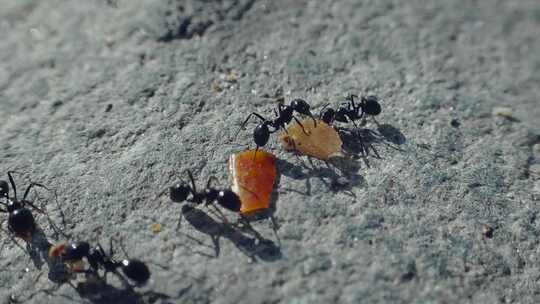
x=136, y=270
x=261, y=134
x=13, y=205
x=301, y=106
x=76, y=251
x=179, y=192
x=327, y=115
x=4, y=188
x=21, y=221
x=371, y=105
x=229, y=200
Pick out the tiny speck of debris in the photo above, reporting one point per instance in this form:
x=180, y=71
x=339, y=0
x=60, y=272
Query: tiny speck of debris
x=232, y=78
x=487, y=231
x=536, y=150
x=455, y=123
x=216, y=88
x=502, y=112
x=156, y=228
x=406, y=277
x=109, y=107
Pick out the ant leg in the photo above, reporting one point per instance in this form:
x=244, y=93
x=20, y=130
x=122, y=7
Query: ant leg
x=193, y=186
x=375, y=120
x=351, y=97
x=255, y=155
x=111, y=249
x=28, y=191
x=314, y=120
x=365, y=151
x=123, y=249
x=100, y=249
x=324, y=107
x=300, y=124
x=275, y=227
x=31, y=186
x=223, y=217
x=247, y=119
x=12, y=182
x=245, y=222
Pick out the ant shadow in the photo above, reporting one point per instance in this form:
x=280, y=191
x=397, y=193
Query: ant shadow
x=360, y=143
x=338, y=174
x=254, y=246
x=37, y=247
x=98, y=291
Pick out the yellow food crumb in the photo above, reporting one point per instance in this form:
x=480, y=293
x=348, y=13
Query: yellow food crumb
x=156, y=228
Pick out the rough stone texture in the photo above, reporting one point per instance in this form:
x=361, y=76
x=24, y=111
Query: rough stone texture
x=104, y=100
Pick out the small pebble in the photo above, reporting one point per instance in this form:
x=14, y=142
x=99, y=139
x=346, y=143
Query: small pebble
x=536, y=150
x=231, y=77
x=503, y=112
x=487, y=231
x=535, y=169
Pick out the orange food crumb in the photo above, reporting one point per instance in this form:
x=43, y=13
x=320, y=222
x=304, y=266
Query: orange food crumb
x=253, y=175
x=320, y=141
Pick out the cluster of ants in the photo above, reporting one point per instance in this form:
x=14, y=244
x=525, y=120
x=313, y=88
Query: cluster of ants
x=22, y=224
x=346, y=112
x=228, y=199
x=284, y=114
x=76, y=255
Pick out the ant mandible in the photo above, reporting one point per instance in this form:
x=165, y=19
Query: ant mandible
x=284, y=115
x=133, y=269
x=350, y=111
x=224, y=197
x=20, y=220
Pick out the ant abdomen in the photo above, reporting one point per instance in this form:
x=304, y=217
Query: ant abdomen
x=229, y=200
x=22, y=222
x=261, y=134
x=372, y=105
x=136, y=270
x=341, y=115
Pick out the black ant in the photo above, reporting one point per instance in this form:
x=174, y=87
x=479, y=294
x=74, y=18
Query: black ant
x=72, y=253
x=284, y=115
x=350, y=111
x=224, y=197
x=20, y=220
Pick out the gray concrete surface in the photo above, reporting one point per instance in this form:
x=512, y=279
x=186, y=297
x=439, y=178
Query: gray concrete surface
x=103, y=101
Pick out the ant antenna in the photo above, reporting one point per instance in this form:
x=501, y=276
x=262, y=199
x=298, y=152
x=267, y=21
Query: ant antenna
x=193, y=186
x=247, y=119
x=12, y=182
